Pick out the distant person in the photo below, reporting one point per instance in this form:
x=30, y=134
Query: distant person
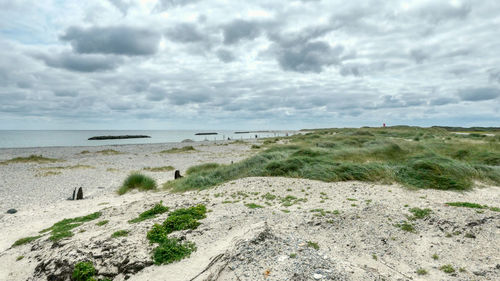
x=383, y=125
x=255, y=136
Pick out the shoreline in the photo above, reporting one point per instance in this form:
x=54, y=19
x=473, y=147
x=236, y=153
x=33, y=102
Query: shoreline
x=99, y=169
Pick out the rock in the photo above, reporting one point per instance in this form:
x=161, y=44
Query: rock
x=187, y=140
x=11, y=211
x=317, y=276
x=177, y=174
x=79, y=195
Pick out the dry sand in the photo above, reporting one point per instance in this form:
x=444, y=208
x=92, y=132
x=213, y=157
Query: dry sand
x=353, y=225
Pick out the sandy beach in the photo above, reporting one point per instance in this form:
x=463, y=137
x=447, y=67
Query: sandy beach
x=325, y=231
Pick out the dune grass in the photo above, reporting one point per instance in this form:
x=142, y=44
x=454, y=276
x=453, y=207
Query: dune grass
x=438, y=160
x=25, y=240
x=30, y=159
x=108, y=152
x=159, y=169
x=179, y=150
x=73, y=167
x=137, y=181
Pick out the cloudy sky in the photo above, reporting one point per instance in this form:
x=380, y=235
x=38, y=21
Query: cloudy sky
x=260, y=64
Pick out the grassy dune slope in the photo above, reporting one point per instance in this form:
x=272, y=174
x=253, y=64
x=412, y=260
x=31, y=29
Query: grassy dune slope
x=415, y=157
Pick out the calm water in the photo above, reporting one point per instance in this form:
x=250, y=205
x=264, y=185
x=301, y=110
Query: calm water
x=43, y=138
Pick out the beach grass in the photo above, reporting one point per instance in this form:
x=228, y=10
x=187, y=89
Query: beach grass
x=108, y=152
x=179, y=150
x=438, y=160
x=25, y=240
x=159, y=169
x=137, y=181
x=30, y=159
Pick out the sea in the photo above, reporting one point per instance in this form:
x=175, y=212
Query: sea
x=50, y=138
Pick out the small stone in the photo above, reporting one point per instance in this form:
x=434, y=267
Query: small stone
x=11, y=211
x=317, y=276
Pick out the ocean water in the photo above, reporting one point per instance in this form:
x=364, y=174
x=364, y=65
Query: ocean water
x=46, y=138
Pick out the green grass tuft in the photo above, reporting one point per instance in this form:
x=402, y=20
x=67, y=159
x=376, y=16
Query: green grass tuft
x=101, y=223
x=25, y=240
x=62, y=229
x=406, y=226
x=120, y=233
x=420, y=213
x=254, y=206
x=137, y=181
x=30, y=159
x=447, y=268
x=159, y=169
x=179, y=150
x=313, y=245
x=151, y=213
x=466, y=205
x=421, y=271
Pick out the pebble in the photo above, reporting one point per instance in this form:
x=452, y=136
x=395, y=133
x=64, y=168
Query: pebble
x=11, y=211
x=317, y=276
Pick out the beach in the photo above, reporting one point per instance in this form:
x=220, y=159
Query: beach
x=323, y=231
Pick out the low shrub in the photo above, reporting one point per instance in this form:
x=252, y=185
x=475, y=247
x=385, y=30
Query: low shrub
x=171, y=250
x=120, y=233
x=151, y=213
x=83, y=271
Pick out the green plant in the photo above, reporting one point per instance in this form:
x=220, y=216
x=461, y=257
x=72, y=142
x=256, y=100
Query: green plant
x=313, y=245
x=83, y=271
x=108, y=152
x=159, y=169
x=419, y=213
x=25, y=240
x=19, y=258
x=30, y=159
x=120, y=233
x=137, y=181
x=447, y=268
x=269, y=196
x=466, y=205
x=101, y=223
x=179, y=150
x=421, y=271
x=254, y=206
x=406, y=226
x=184, y=218
x=293, y=255
x=171, y=250
x=62, y=229
x=157, y=234
x=151, y=213
x=435, y=257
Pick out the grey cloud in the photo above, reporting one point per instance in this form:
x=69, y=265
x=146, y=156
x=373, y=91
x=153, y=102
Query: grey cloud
x=238, y=30
x=188, y=97
x=225, y=55
x=494, y=76
x=419, y=55
x=479, y=94
x=119, y=40
x=156, y=94
x=163, y=5
x=443, y=101
x=185, y=33
x=436, y=11
x=65, y=93
x=121, y=5
x=309, y=57
x=81, y=63
x=24, y=84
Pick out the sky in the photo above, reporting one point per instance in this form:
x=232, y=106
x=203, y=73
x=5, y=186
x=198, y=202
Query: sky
x=260, y=64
